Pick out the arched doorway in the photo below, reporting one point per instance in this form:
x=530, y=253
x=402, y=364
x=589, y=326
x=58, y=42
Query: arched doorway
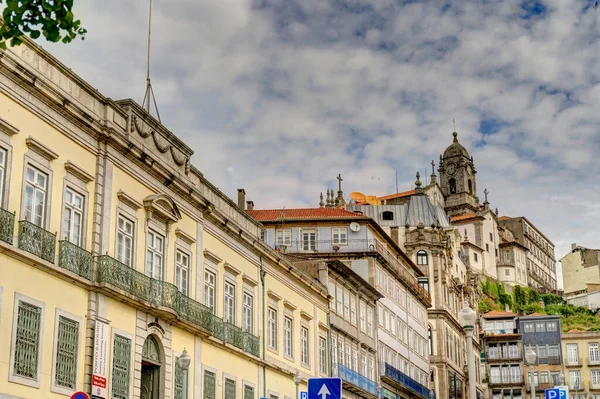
x=151, y=363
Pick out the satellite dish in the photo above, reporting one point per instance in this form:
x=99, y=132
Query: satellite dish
x=354, y=226
x=358, y=197
x=373, y=200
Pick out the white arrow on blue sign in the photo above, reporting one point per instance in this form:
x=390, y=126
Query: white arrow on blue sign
x=553, y=393
x=324, y=388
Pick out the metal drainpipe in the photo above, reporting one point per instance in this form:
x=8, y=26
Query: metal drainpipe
x=264, y=348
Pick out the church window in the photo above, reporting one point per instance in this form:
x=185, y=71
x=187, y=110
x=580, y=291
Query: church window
x=470, y=187
x=422, y=258
x=487, y=247
x=388, y=215
x=429, y=336
x=475, y=257
x=452, y=183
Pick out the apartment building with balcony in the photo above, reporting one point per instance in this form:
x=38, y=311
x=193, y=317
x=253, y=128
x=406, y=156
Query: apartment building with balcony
x=118, y=258
x=512, y=262
x=329, y=233
x=582, y=362
x=503, y=351
x=541, y=261
x=543, y=333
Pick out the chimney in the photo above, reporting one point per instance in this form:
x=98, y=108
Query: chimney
x=241, y=198
x=249, y=205
x=573, y=246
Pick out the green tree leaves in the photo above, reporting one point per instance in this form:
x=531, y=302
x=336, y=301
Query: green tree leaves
x=52, y=18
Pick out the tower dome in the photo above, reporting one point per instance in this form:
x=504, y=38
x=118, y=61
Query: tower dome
x=455, y=149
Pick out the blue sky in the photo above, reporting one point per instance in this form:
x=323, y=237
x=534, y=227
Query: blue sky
x=279, y=96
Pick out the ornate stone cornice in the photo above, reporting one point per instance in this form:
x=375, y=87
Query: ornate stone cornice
x=41, y=149
x=78, y=172
x=8, y=128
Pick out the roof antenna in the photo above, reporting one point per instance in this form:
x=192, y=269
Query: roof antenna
x=149, y=92
x=396, y=181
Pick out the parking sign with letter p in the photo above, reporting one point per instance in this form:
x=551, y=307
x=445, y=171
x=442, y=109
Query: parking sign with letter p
x=553, y=393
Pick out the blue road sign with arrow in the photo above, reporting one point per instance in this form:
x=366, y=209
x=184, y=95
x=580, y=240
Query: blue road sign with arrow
x=324, y=388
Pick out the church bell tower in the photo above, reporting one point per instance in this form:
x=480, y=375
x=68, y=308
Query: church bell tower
x=457, y=179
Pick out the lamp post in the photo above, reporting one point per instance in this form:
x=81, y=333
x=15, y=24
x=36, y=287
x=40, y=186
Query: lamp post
x=297, y=380
x=530, y=358
x=184, y=362
x=379, y=389
x=467, y=318
x=561, y=379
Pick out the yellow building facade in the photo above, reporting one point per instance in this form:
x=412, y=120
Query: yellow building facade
x=124, y=273
x=581, y=356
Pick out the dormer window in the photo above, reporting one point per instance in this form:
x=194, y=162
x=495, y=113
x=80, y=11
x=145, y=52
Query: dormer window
x=387, y=215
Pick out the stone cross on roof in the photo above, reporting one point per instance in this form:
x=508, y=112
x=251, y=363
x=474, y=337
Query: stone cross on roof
x=486, y=192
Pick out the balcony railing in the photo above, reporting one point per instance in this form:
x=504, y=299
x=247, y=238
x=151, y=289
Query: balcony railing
x=515, y=380
x=504, y=356
x=405, y=381
x=355, y=378
x=37, y=241
x=75, y=259
x=7, y=226
x=554, y=360
x=161, y=293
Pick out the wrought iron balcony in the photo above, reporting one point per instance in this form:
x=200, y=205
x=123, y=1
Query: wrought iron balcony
x=355, y=378
x=37, y=241
x=75, y=259
x=7, y=226
x=404, y=381
x=160, y=293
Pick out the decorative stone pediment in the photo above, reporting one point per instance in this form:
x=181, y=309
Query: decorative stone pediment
x=41, y=149
x=8, y=128
x=78, y=172
x=162, y=207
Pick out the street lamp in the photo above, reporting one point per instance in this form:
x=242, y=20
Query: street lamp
x=530, y=358
x=561, y=379
x=184, y=360
x=379, y=389
x=297, y=380
x=467, y=318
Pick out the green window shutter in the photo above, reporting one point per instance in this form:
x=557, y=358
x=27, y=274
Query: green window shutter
x=180, y=381
x=27, y=340
x=229, y=389
x=209, y=385
x=67, y=345
x=120, y=367
x=248, y=392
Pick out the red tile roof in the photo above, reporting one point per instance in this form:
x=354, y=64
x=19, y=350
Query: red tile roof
x=505, y=217
x=263, y=215
x=461, y=218
x=498, y=314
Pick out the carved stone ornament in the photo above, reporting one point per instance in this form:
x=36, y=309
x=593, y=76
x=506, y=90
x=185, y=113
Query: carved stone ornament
x=161, y=145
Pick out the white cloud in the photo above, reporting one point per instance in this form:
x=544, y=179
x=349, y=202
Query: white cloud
x=280, y=96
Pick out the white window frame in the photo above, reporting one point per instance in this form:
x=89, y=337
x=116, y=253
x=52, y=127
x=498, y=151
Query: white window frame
x=3, y=175
x=248, y=311
x=322, y=355
x=363, y=315
x=153, y=253
x=229, y=301
x=53, y=387
x=570, y=358
x=210, y=289
x=305, y=345
x=288, y=336
x=180, y=269
x=11, y=374
x=272, y=327
x=339, y=236
x=594, y=351
x=120, y=247
x=370, y=312
x=352, y=309
x=35, y=189
x=70, y=208
x=309, y=244
x=283, y=237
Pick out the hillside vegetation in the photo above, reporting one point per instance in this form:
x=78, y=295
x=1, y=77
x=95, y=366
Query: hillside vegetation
x=525, y=300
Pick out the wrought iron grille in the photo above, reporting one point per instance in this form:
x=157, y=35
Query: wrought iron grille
x=248, y=392
x=251, y=344
x=233, y=335
x=229, y=389
x=66, y=353
x=120, y=368
x=27, y=340
x=210, y=386
x=7, y=226
x=37, y=241
x=180, y=381
x=75, y=259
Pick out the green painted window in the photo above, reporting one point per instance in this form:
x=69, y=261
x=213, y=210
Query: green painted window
x=67, y=345
x=209, y=385
x=248, y=392
x=120, y=367
x=27, y=340
x=229, y=389
x=180, y=381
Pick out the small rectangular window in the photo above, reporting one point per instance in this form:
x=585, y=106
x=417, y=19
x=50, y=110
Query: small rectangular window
x=210, y=289
x=322, y=355
x=229, y=303
x=154, y=255
x=551, y=326
x=36, y=186
x=305, y=351
x=284, y=237
x=540, y=327
x=124, y=240
x=475, y=257
x=363, y=316
x=272, y=328
x=339, y=235
x=248, y=392
x=229, y=388
x=248, y=310
x=288, y=328
x=121, y=367
x=182, y=270
x=263, y=237
x=73, y=216
x=3, y=161
x=487, y=247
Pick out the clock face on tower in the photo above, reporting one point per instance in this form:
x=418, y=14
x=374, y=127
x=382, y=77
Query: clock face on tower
x=451, y=168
